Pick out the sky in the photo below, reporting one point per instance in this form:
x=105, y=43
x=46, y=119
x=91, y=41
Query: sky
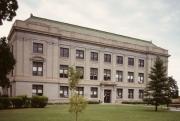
x=152, y=20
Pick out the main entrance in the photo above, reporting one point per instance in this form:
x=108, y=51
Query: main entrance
x=107, y=96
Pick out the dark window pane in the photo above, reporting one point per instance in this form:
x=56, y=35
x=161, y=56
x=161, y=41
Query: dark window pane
x=80, y=54
x=63, y=71
x=64, y=52
x=107, y=58
x=37, y=48
x=119, y=59
x=94, y=92
x=37, y=69
x=37, y=90
x=131, y=61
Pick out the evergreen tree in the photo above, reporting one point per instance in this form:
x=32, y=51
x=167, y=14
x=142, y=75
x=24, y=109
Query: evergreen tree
x=7, y=63
x=77, y=102
x=156, y=89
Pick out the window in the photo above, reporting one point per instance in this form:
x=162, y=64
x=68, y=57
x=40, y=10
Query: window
x=119, y=93
x=37, y=90
x=37, y=69
x=131, y=61
x=37, y=48
x=81, y=70
x=130, y=77
x=141, y=94
x=94, y=56
x=80, y=90
x=63, y=71
x=119, y=76
x=93, y=73
x=141, y=78
x=131, y=93
x=80, y=54
x=94, y=92
x=107, y=74
x=107, y=58
x=64, y=52
x=141, y=63
x=64, y=92
x=119, y=59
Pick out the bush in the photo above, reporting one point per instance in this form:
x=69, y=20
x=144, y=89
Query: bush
x=94, y=102
x=4, y=102
x=39, y=101
x=26, y=101
x=135, y=102
x=17, y=102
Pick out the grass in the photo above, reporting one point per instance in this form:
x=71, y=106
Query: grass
x=92, y=113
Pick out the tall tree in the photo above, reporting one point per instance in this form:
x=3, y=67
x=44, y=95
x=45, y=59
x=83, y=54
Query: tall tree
x=7, y=10
x=7, y=63
x=77, y=102
x=156, y=88
x=172, y=90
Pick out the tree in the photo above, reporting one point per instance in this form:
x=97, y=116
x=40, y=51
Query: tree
x=156, y=88
x=7, y=10
x=77, y=102
x=172, y=90
x=7, y=63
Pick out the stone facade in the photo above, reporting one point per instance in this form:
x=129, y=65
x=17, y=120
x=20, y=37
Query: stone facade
x=54, y=35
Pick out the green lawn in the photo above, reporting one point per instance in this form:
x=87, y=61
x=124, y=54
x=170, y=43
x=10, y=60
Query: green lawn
x=92, y=113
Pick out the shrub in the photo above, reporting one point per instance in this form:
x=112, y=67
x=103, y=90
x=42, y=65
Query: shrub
x=135, y=102
x=26, y=101
x=94, y=102
x=39, y=101
x=17, y=102
x=4, y=102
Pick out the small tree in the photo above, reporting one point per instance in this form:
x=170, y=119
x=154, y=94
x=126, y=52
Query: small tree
x=172, y=90
x=156, y=88
x=7, y=10
x=7, y=63
x=77, y=102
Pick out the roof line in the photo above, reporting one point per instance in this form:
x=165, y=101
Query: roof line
x=105, y=32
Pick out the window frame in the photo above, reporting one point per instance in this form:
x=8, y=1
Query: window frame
x=78, y=89
x=63, y=69
x=79, y=68
x=119, y=93
x=63, y=89
x=79, y=53
x=94, y=56
x=141, y=63
x=37, y=87
x=107, y=58
x=93, y=90
x=37, y=65
x=64, y=52
x=131, y=61
x=119, y=59
x=93, y=74
x=130, y=77
x=118, y=75
x=131, y=93
x=37, y=46
x=106, y=73
x=141, y=94
x=140, y=78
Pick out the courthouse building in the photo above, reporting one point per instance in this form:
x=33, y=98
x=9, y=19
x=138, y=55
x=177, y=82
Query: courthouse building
x=114, y=67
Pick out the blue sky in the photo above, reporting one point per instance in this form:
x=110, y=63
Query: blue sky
x=153, y=20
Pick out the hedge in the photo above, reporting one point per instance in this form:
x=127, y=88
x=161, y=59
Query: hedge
x=39, y=101
x=23, y=102
x=135, y=102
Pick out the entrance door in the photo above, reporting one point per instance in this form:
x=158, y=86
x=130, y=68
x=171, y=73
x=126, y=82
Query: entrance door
x=107, y=96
